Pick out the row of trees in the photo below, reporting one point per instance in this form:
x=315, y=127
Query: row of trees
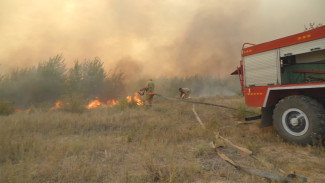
x=51, y=80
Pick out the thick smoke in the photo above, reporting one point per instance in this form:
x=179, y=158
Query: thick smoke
x=163, y=38
x=212, y=41
x=129, y=68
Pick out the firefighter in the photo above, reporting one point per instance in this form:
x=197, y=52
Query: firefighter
x=149, y=90
x=184, y=93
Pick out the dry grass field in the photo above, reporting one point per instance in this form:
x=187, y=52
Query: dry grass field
x=133, y=144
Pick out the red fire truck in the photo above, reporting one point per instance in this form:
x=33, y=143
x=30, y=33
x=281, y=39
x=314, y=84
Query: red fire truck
x=286, y=78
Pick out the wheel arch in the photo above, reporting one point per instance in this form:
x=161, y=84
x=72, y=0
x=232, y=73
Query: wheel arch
x=275, y=94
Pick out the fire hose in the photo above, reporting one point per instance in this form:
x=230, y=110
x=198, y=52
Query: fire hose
x=204, y=103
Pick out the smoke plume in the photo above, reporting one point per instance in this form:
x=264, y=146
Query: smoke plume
x=161, y=38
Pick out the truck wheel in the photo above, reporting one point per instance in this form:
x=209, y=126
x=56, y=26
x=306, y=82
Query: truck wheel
x=299, y=119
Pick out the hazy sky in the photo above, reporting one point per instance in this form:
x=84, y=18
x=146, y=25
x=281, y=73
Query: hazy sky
x=151, y=37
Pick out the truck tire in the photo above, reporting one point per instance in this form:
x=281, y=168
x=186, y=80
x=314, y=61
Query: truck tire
x=299, y=119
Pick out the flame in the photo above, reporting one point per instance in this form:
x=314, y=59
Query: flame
x=137, y=99
x=129, y=99
x=95, y=103
x=57, y=105
x=112, y=102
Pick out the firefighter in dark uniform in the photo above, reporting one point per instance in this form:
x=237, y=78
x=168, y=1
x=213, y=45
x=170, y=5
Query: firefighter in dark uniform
x=184, y=93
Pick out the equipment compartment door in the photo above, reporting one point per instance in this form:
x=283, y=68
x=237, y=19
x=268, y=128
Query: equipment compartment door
x=262, y=69
x=310, y=46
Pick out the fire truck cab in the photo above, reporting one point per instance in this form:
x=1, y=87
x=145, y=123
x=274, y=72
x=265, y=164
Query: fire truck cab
x=286, y=78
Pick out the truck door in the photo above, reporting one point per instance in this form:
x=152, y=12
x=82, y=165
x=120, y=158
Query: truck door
x=262, y=69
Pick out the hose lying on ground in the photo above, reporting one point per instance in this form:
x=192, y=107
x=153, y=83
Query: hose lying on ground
x=195, y=102
x=204, y=103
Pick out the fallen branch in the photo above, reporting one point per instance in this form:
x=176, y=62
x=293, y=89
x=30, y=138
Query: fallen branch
x=257, y=172
x=249, y=170
x=197, y=117
x=233, y=145
x=223, y=156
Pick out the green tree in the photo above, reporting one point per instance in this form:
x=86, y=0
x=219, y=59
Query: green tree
x=74, y=79
x=93, y=76
x=44, y=83
x=50, y=79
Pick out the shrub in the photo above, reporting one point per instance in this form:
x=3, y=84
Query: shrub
x=43, y=106
x=122, y=103
x=93, y=76
x=6, y=107
x=41, y=84
x=74, y=103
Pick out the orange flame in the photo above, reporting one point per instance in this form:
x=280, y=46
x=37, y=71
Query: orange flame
x=58, y=105
x=112, y=102
x=129, y=99
x=137, y=99
x=95, y=103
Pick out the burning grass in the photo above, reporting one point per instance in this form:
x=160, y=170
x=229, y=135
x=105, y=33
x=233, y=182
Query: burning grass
x=135, y=144
x=135, y=100
x=75, y=103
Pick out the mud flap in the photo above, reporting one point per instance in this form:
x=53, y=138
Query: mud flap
x=252, y=118
x=267, y=113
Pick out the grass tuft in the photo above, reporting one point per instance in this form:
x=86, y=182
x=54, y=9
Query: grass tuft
x=241, y=111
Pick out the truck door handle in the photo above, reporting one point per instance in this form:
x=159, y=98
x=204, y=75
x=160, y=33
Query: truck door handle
x=315, y=49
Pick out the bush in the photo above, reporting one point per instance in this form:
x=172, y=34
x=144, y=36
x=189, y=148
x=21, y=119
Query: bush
x=36, y=85
x=90, y=79
x=6, y=107
x=123, y=103
x=74, y=103
x=93, y=76
x=43, y=106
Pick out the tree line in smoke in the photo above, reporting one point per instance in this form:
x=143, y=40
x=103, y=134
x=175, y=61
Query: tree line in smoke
x=51, y=80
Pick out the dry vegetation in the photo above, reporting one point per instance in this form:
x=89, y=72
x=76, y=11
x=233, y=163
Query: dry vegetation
x=133, y=144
